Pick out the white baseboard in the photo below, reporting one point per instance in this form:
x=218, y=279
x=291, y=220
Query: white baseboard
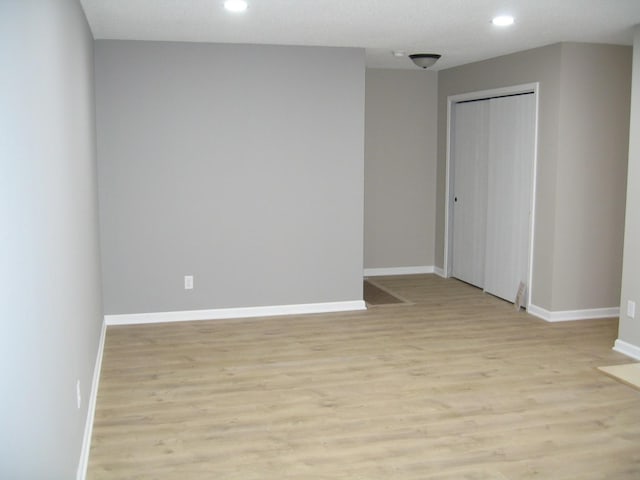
x=570, y=315
x=539, y=312
x=228, y=313
x=91, y=408
x=439, y=271
x=385, y=271
x=627, y=349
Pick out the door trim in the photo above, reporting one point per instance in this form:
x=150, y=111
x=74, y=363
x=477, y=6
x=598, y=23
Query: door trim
x=480, y=95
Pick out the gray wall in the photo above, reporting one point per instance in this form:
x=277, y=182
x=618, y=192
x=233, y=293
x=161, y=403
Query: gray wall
x=241, y=165
x=593, y=145
x=400, y=168
x=629, y=329
x=583, y=101
x=50, y=307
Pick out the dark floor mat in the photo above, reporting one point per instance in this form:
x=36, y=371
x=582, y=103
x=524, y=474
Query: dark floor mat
x=374, y=295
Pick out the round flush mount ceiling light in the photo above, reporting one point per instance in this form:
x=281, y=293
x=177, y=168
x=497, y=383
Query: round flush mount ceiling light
x=502, y=20
x=235, y=5
x=424, y=60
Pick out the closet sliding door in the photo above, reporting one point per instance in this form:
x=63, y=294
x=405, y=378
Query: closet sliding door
x=511, y=150
x=492, y=150
x=470, y=145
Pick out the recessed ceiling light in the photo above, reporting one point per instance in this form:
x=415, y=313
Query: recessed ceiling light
x=235, y=5
x=399, y=53
x=502, y=20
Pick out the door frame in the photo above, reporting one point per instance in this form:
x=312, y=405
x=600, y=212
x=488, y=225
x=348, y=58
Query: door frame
x=448, y=206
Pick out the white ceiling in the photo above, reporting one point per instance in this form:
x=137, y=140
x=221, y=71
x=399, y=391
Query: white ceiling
x=460, y=30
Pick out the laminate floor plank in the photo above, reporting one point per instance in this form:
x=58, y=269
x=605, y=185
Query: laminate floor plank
x=456, y=385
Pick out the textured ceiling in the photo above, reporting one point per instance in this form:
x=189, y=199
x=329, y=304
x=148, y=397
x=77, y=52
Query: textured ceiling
x=460, y=30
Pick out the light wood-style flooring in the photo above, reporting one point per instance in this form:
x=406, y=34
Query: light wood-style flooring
x=456, y=385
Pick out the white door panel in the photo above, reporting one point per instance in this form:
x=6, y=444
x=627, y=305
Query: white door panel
x=492, y=150
x=470, y=150
x=511, y=149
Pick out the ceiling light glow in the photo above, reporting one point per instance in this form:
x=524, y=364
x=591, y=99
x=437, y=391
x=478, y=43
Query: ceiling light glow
x=235, y=5
x=502, y=20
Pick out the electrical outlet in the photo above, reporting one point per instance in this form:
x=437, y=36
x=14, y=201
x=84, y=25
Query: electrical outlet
x=78, y=393
x=188, y=282
x=631, y=309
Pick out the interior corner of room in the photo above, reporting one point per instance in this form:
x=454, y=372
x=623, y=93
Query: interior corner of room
x=130, y=165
